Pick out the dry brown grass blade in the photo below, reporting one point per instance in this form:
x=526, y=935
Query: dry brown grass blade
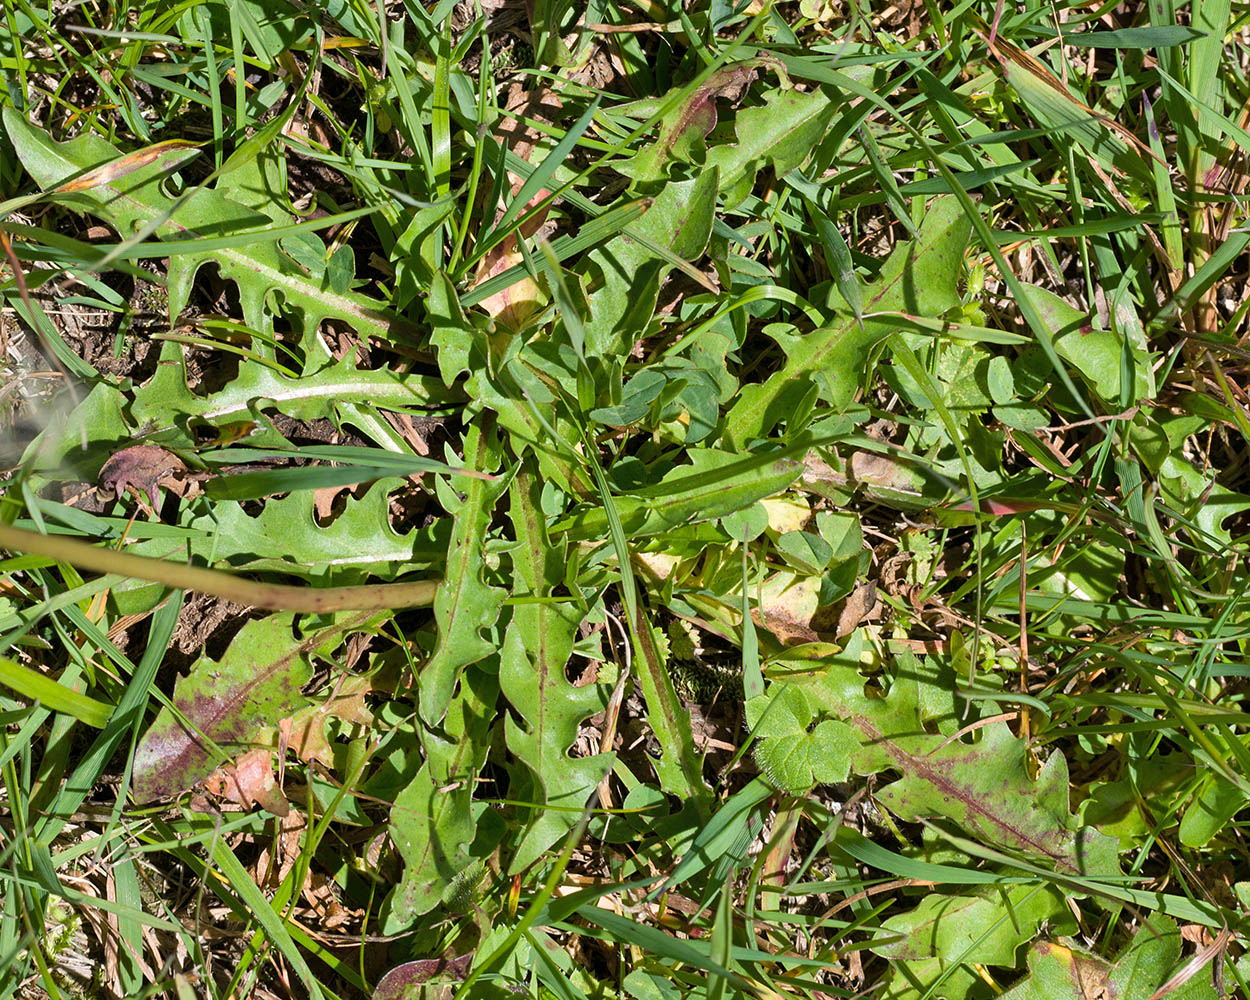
x=1011, y=55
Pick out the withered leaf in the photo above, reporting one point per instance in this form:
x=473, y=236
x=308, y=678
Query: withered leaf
x=249, y=781
x=143, y=466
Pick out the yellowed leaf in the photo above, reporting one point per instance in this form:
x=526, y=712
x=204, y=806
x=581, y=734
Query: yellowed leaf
x=787, y=605
x=786, y=513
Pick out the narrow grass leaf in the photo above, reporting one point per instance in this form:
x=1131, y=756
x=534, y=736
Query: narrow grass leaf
x=123, y=726
x=57, y=697
x=540, y=177
x=1160, y=36
x=259, y=908
x=654, y=941
x=838, y=260
x=718, y=836
x=885, y=178
x=679, y=767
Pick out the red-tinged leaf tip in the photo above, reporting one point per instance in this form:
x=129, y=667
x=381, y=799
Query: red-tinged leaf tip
x=128, y=164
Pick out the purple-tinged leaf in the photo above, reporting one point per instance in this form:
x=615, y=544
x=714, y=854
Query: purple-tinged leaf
x=222, y=707
x=417, y=979
x=684, y=129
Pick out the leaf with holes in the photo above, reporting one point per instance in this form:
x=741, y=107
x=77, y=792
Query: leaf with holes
x=133, y=200
x=287, y=537
x=549, y=709
x=464, y=603
x=167, y=402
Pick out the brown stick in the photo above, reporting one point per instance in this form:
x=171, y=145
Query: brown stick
x=180, y=576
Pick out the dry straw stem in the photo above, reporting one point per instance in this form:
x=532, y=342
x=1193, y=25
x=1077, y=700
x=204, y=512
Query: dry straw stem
x=180, y=576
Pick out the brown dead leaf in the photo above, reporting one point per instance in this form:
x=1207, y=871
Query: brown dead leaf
x=305, y=731
x=321, y=895
x=1196, y=934
x=169, y=154
x=323, y=500
x=514, y=305
x=416, y=432
x=145, y=467
x=1093, y=977
x=710, y=729
x=894, y=573
x=871, y=469
x=249, y=782
x=859, y=604
x=542, y=104
x=905, y=17
x=278, y=857
x=822, y=479
x=603, y=70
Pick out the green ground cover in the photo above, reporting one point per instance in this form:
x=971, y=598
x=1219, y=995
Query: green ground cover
x=646, y=500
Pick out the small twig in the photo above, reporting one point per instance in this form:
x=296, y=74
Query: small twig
x=898, y=883
x=1124, y=415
